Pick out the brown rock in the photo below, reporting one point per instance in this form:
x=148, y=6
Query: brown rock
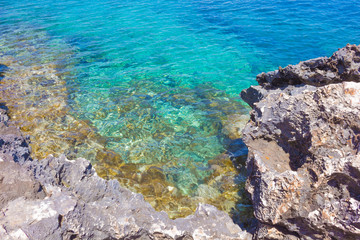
x=304, y=149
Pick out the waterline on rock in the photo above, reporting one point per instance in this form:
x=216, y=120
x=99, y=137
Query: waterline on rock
x=35, y=90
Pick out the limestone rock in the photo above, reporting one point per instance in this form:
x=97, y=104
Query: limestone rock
x=15, y=182
x=13, y=146
x=342, y=66
x=304, y=149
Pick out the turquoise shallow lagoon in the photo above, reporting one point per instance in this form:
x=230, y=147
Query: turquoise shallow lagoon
x=159, y=81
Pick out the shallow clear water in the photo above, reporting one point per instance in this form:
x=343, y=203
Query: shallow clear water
x=158, y=81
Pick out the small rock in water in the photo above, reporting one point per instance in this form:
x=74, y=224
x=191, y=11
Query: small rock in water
x=47, y=83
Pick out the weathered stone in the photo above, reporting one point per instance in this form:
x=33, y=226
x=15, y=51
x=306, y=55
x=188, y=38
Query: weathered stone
x=15, y=182
x=273, y=233
x=304, y=143
x=13, y=146
x=343, y=65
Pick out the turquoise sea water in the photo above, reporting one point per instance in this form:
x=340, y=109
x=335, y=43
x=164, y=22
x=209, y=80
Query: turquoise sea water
x=159, y=79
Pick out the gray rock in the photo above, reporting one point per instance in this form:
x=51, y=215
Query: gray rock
x=16, y=182
x=304, y=141
x=100, y=209
x=343, y=65
x=13, y=146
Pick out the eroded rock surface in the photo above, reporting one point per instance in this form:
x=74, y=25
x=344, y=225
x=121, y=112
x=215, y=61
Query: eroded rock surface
x=304, y=149
x=56, y=198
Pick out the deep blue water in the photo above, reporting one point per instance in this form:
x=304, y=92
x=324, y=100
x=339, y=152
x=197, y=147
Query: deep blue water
x=159, y=79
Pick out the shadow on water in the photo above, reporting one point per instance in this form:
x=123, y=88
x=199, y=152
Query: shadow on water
x=243, y=214
x=3, y=69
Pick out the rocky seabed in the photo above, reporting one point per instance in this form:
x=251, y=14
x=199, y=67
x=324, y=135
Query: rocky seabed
x=303, y=171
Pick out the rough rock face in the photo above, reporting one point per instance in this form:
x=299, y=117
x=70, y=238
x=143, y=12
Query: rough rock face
x=15, y=183
x=304, y=149
x=56, y=198
x=13, y=146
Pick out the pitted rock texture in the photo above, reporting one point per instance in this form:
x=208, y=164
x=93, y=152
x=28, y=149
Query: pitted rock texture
x=343, y=65
x=56, y=198
x=304, y=149
x=13, y=146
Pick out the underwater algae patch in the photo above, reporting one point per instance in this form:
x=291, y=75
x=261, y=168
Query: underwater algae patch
x=33, y=86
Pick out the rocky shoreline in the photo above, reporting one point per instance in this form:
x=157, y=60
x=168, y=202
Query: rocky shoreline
x=56, y=198
x=42, y=103
x=304, y=142
x=303, y=171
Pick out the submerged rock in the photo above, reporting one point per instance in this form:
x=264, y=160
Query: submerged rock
x=56, y=198
x=304, y=149
x=134, y=129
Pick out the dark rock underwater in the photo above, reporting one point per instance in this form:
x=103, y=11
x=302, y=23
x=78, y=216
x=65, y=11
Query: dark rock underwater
x=56, y=198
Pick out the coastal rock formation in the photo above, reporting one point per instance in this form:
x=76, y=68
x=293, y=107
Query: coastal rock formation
x=304, y=149
x=56, y=198
x=303, y=164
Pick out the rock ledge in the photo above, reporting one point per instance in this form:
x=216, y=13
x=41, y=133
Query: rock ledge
x=304, y=149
